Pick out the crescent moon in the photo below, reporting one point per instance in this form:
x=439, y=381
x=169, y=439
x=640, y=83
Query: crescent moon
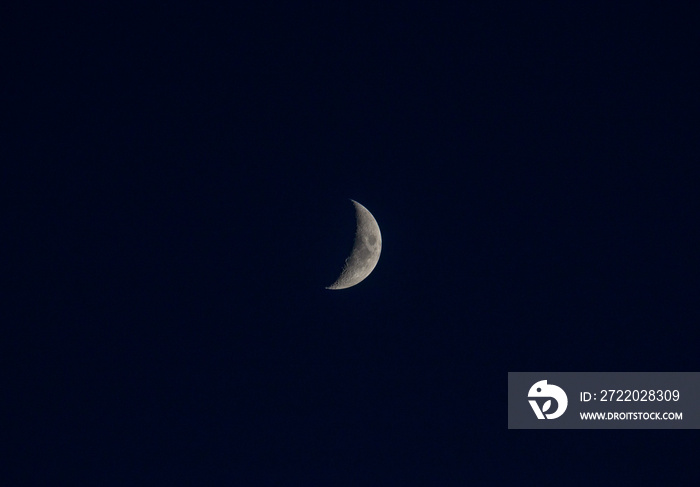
x=365, y=251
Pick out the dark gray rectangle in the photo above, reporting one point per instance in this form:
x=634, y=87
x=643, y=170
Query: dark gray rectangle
x=603, y=400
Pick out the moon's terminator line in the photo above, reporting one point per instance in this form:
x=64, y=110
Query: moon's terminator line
x=365, y=251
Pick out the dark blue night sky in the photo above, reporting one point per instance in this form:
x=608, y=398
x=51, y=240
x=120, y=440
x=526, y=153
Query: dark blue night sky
x=178, y=197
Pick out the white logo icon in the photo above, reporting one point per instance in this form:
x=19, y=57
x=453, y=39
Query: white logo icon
x=542, y=389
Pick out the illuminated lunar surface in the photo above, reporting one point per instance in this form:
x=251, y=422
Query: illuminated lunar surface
x=365, y=251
